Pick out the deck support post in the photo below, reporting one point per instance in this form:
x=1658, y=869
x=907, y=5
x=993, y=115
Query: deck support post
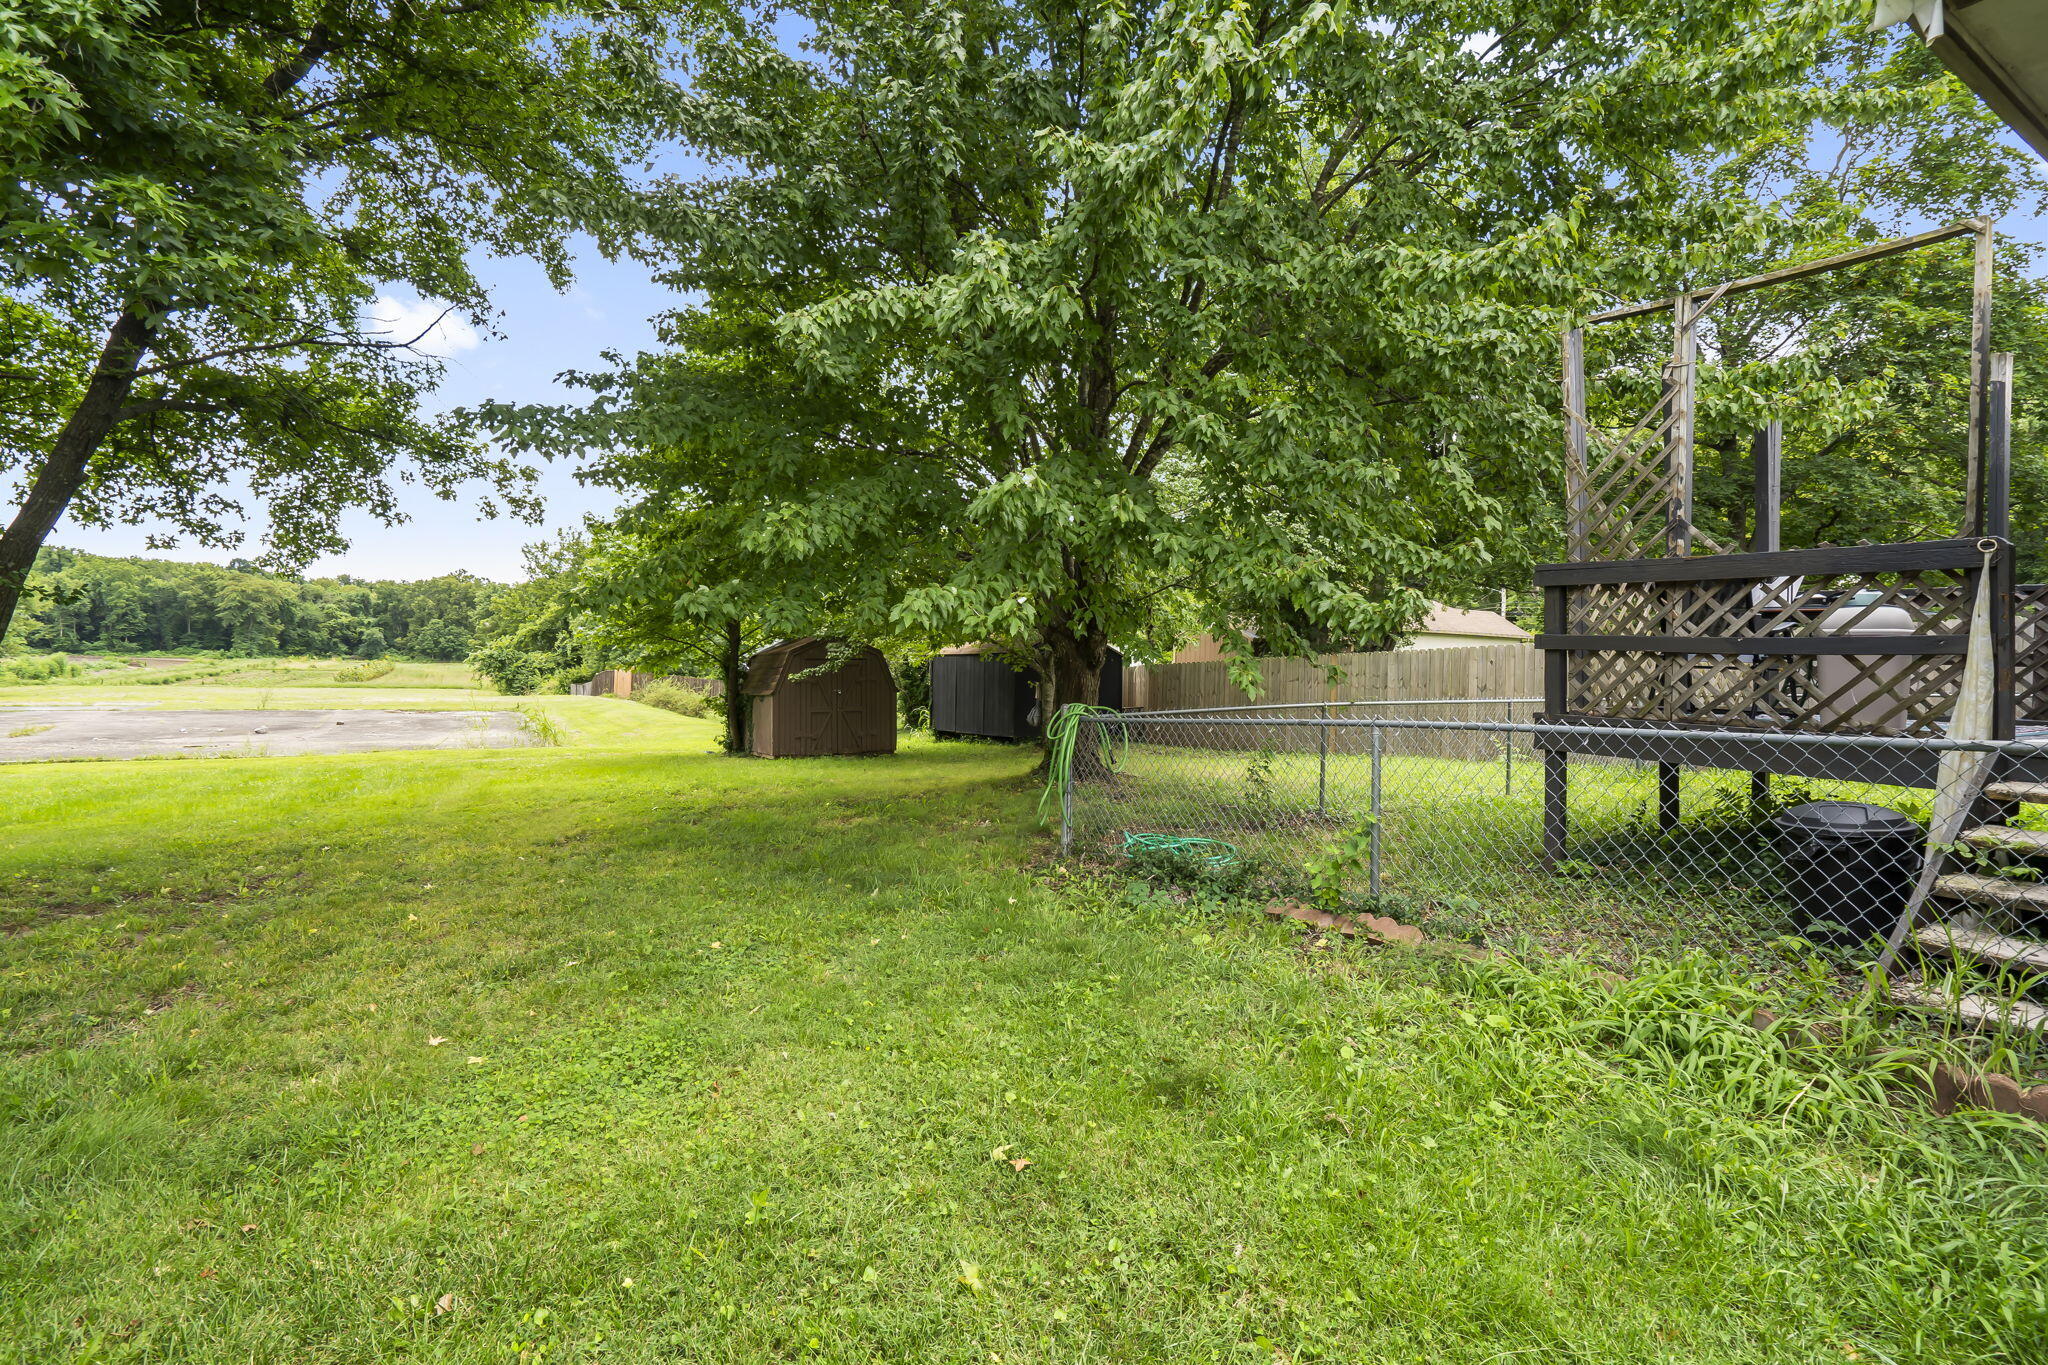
x=1668, y=811
x=1556, y=702
x=1556, y=811
x=1977, y=490
x=1767, y=461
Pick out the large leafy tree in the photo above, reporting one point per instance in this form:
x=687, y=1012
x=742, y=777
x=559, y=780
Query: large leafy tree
x=1868, y=367
x=200, y=201
x=1028, y=320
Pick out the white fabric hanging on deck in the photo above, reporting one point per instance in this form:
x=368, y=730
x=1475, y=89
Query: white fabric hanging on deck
x=1960, y=774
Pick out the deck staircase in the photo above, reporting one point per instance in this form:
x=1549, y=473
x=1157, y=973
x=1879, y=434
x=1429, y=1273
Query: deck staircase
x=1995, y=924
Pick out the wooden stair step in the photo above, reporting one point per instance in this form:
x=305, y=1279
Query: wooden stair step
x=1973, y=1008
x=2035, y=792
x=1969, y=886
x=2028, y=954
x=2032, y=842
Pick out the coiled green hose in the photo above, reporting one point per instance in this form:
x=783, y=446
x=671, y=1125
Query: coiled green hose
x=1060, y=737
x=1211, y=852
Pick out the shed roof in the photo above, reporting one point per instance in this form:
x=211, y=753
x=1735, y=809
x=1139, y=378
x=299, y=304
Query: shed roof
x=1443, y=620
x=767, y=669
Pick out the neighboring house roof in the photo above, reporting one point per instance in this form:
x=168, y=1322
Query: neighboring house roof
x=1443, y=620
x=1999, y=48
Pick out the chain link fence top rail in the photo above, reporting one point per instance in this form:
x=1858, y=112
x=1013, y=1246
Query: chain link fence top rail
x=1652, y=841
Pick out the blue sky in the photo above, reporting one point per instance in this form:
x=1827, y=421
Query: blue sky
x=541, y=334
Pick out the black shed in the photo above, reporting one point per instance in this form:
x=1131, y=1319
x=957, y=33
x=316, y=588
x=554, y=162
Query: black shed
x=975, y=691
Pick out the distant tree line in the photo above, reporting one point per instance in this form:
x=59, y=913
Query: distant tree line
x=79, y=601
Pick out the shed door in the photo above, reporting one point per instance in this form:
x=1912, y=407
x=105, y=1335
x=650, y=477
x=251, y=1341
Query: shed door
x=827, y=727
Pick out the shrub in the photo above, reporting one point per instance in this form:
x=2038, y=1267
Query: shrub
x=35, y=669
x=679, y=697
x=510, y=669
x=366, y=672
x=436, y=640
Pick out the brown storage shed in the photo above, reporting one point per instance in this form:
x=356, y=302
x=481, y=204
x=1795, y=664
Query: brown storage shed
x=851, y=710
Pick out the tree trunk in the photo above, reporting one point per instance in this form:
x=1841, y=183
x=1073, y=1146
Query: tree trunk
x=732, y=668
x=1072, y=671
x=64, y=470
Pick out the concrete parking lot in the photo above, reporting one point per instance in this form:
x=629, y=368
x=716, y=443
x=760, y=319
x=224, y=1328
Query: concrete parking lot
x=28, y=734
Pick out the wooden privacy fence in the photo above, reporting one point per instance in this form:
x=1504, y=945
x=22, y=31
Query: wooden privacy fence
x=1504, y=670
x=1411, y=684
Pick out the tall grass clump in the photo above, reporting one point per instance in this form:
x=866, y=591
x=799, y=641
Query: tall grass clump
x=38, y=668
x=1819, y=1116
x=365, y=672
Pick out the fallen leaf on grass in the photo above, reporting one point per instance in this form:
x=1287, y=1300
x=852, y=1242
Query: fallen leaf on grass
x=444, y=1304
x=477, y=1149
x=435, y=1042
x=248, y=1227
x=1019, y=1163
x=206, y=1274
x=970, y=1275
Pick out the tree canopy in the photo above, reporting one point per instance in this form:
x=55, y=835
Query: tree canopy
x=200, y=202
x=79, y=601
x=1055, y=324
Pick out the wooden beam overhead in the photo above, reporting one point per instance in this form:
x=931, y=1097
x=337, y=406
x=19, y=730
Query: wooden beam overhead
x=1877, y=252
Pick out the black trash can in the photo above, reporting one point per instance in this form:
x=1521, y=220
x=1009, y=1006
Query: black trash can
x=1849, y=868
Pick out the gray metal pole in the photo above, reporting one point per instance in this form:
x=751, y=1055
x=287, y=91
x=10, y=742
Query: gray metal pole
x=1767, y=458
x=1323, y=763
x=1373, y=876
x=1507, y=748
x=1067, y=795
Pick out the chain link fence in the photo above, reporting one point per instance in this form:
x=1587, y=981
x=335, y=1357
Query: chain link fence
x=1476, y=822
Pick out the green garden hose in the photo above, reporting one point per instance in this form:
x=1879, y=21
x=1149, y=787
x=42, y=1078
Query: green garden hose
x=1059, y=739
x=1211, y=852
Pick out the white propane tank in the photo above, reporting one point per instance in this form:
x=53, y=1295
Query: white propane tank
x=1864, y=696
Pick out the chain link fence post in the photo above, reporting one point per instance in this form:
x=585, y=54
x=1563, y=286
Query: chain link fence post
x=1507, y=748
x=1323, y=763
x=1067, y=793
x=1373, y=875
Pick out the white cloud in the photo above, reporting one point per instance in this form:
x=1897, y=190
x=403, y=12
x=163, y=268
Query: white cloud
x=438, y=331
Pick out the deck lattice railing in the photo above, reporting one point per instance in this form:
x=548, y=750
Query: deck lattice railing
x=1859, y=639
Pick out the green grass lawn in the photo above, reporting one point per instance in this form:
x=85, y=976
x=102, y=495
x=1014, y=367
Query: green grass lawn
x=619, y=1050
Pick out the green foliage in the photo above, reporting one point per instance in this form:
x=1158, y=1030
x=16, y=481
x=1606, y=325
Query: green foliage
x=1868, y=368
x=545, y=615
x=514, y=671
x=672, y=695
x=367, y=672
x=1339, y=865
x=1045, y=328
x=37, y=668
x=91, y=602
x=1258, y=779
x=208, y=211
